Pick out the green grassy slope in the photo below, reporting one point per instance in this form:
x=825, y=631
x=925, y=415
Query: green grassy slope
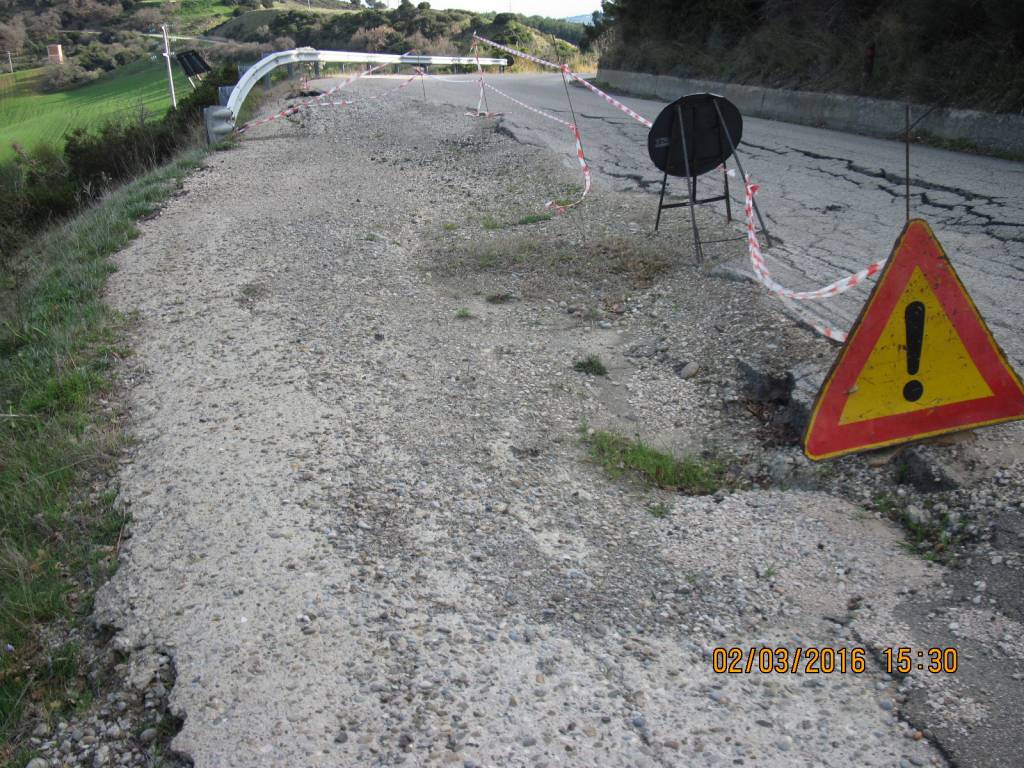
x=29, y=117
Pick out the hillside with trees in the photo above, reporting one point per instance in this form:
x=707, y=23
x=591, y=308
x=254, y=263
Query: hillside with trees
x=101, y=35
x=962, y=53
x=408, y=28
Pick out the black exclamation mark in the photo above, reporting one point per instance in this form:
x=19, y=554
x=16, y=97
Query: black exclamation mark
x=913, y=318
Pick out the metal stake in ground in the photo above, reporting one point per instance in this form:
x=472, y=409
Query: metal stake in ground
x=743, y=175
x=572, y=112
x=906, y=165
x=692, y=182
x=480, y=74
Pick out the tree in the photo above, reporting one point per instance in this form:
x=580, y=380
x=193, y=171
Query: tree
x=424, y=6
x=43, y=27
x=146, y=19
x=12, y=34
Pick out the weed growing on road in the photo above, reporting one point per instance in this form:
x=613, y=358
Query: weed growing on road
x=570, y=193
x=620, y=455
x=449, y=226
x=489, y=222
x=534, y=218
x=464, y=314
x=59, y=441
x=592, y=365
x=658, y=509
x=930, y=535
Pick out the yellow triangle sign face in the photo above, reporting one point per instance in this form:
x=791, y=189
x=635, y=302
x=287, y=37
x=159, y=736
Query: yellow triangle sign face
x=946, y=366
x=919, y=361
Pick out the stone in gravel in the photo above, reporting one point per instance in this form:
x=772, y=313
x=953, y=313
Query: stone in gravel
x=917, y=515
x=37, y=762
x=686, y=370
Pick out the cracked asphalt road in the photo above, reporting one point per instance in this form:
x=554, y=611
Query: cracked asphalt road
x=834, y=199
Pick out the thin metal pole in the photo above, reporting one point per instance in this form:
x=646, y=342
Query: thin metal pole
x=573, y=113
x=743, y=175
x=10, y=62
x=661, y=200
x=170, y=73
x=423, y=83
x=692, y=183
x=728, y=201
x=906, y=165
x=475, y=50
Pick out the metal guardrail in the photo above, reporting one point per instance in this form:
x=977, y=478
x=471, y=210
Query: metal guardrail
x=310, y=55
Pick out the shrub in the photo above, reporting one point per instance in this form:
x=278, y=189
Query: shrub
x=57, y=77
x=34, y=189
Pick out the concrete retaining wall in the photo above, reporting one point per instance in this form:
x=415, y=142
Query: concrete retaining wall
x=1001, y=133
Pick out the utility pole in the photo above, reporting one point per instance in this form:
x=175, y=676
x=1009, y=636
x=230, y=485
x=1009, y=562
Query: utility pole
x=170, y=73
x=10, y=62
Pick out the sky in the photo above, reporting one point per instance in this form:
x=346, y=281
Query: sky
x=558, y=9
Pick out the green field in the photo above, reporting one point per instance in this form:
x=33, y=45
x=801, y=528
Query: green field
x=29, y=117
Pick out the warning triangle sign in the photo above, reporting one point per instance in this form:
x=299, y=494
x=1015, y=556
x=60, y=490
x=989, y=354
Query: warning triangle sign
x=919, y=361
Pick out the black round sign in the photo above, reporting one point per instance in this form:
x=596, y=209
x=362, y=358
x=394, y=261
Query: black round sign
x=704, y=130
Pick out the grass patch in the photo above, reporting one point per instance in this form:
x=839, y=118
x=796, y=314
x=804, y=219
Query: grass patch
x=499, y=298
x=29, y=117
x=59, y=442
x=449, y=226
x=464, y=314
x=570, y=194
x=620, y=455
x=489, y=222
x=935, y=537
x=534, y=218
x=592, y=365
x=658, y=509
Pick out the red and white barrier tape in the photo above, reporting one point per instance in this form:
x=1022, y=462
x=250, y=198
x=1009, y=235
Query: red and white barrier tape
x=558, y=207
x=481, y=99
x=524, y=105
x=765, y=278
x=832, y=289
x=565, y=69
x=308, y=103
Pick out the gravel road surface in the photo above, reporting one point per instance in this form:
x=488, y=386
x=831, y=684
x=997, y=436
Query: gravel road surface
x=366, y=528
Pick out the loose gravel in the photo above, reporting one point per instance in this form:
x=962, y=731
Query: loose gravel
x=365, y=528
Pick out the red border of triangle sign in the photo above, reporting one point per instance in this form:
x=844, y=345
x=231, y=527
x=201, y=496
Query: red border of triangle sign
x=966, y=383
